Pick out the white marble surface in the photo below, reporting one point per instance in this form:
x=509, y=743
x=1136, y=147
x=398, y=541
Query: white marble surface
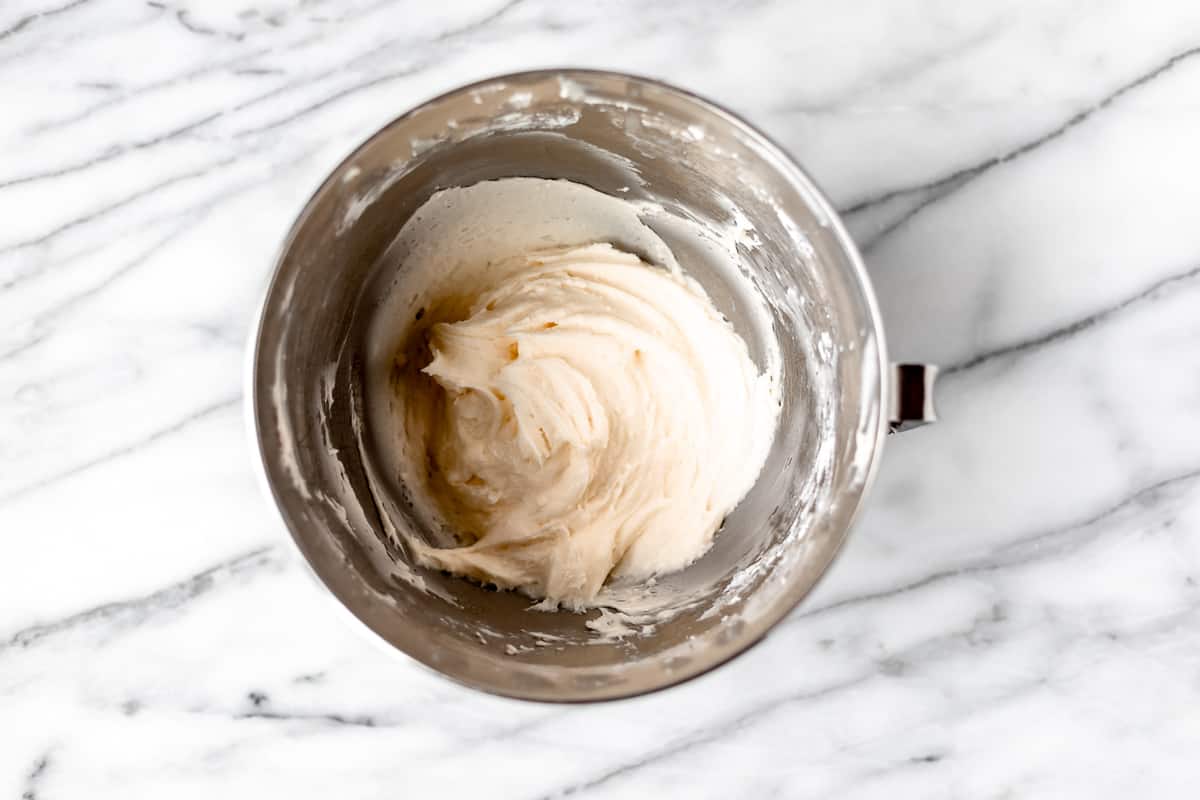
x=1018, y=614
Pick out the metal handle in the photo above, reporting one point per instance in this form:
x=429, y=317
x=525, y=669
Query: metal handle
x=912, y=396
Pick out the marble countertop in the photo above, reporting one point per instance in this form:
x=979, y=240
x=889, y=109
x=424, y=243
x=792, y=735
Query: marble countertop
x=1016, y=615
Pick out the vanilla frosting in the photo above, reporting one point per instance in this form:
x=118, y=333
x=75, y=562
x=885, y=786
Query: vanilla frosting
x=587, y=416
x=561, y=413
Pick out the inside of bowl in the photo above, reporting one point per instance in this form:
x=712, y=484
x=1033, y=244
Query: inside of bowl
x=642, y=142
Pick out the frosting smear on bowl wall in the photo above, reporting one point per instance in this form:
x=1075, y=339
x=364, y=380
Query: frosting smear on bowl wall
x=564, y=414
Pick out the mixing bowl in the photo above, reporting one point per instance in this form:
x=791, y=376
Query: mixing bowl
x=645, y=142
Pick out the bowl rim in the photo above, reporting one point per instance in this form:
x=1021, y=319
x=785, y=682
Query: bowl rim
x=256, y=406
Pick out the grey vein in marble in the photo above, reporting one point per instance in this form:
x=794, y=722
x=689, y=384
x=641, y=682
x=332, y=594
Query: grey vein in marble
x=938, y=189
x=1149, y=293
x=127, y=613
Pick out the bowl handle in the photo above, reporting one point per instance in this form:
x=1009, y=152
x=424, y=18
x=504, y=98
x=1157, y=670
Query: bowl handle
x=911, y=404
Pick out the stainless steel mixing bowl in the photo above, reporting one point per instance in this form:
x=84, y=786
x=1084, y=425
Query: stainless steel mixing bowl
x=640, y=140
